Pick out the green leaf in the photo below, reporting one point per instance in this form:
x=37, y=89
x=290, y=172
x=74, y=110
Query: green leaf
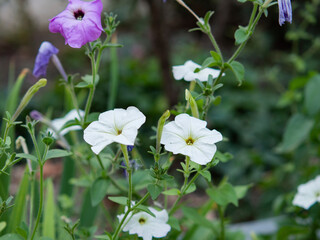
x=242, y=190
x=191, y=189
x=154, y=190
x=11, y=236
x=141, y=179
x=88, y=213
x=2, y=226
x=172, y=192
x=98, y=191
x=20, y=202
x=296, y=131
x=105, y=237
x=223, y=194
x=27, y=156
x=119, y=200
x=312, y=96
x=238, y=70
x=57, y=153
x=48, y=226
x=174, y=223
x=196, y=218
x=206, y=174
x=241, y=35
x=285, y=231
x=145, y=209
x=223, y=157
x=215, y=56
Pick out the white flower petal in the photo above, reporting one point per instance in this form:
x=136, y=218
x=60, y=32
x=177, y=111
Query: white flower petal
x=179, y=72
x=308, y=194
x=58, y=123
x=186, y=71
x=152, y=227
x=118, y=125
x=204, y=153
x=189, y=136
x=303, y=201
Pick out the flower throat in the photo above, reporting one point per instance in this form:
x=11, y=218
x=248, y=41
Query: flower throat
x=79, y=14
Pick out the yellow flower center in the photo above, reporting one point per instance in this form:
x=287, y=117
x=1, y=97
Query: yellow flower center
x=119, y=132
x=142, y=221
x=189, y=141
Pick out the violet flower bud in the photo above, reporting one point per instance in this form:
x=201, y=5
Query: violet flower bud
x=36, y=115
x=285, y=11
x=79, y=23
x=130, y=147
x=46, y=51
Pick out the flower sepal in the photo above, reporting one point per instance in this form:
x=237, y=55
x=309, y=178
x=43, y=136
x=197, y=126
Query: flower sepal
x=111, y=23
x=87, y=81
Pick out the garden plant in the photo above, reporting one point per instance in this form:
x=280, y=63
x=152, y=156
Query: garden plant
x=104, y=168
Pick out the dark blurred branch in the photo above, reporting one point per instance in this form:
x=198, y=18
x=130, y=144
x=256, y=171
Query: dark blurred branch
x=160, y=42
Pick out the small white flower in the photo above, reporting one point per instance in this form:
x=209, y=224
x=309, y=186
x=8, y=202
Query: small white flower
x=189, y=136
x=147, y=226
x=308, y=194
x=118, y=125
x=186, y=71
x=58, y=123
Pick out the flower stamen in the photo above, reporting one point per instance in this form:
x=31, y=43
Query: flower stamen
x=189, y=141
x=119, y=132
x=79, y=14
x=142, y=221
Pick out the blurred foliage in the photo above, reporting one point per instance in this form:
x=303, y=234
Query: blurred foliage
x=281, y=76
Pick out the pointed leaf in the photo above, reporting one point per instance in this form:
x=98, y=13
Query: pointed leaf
x=98, y=191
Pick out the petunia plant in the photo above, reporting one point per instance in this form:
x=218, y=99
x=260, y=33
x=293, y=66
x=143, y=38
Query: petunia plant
x=147, y=201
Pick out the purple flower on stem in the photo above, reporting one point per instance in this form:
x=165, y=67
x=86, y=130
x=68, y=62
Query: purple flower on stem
x=79, y=23
x=36, y=115
x=46, y=51
x=285, y=11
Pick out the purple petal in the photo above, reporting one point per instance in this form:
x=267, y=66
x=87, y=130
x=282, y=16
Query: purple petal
x=285, y=11
x=36, y=115
x=45, y=52
x=79, y=23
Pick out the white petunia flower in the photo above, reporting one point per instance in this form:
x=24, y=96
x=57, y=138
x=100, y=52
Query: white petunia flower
x=118, y=125
x=147, y=226
x=189, y=136
x=308, y=194
x=58, y=123
x=186, y=71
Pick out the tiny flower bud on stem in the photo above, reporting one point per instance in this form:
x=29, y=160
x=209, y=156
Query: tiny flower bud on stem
x=28, y=96
x=193, y=104
x=161, y=123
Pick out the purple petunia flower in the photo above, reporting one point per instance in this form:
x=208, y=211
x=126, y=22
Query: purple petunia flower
x=285, y=11
x=79, y=23
x=46, y=51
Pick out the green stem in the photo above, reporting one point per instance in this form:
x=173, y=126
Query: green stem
x=40, y=203
x=41, y=163
x=215, y=45
x=184, y=188
x=129, y=170
x=74, y=99
x=8, y=125
x=222, y=227
x=92, y=88
x=250, y=29
x=100, y=162
x=32, y=175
